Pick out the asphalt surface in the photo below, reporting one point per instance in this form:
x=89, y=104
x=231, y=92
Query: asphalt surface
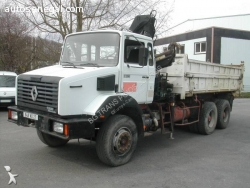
x=190, y=160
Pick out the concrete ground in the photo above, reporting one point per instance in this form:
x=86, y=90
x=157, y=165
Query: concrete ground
x=190, y=160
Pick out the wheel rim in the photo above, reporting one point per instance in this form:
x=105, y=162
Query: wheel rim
x=211, y=119
x=225, y=114
x=122, y=141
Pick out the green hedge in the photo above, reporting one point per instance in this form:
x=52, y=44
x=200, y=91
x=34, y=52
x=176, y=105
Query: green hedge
x=242, y=95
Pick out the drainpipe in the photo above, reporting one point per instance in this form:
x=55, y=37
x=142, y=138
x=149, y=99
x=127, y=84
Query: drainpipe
x=212, y=46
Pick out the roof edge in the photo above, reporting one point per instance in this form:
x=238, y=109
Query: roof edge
x=210, y=27
x=206, y=19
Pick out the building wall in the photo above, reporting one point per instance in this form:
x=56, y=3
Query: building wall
x=189, y=48
x=233, y=51
x=238, y=22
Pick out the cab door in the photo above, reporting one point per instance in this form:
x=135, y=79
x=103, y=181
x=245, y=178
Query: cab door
x=134, y=77
x=151, y=73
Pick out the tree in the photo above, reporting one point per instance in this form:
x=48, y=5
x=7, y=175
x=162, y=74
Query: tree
x=68, y=16
x=13, y=42
x=47, y=52
x=21, y=52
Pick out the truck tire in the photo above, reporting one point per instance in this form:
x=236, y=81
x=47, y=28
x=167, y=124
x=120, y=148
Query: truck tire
x=51, y=141
x=208, y=118
x=216, y=100
x=116, y=140
x=224, y=110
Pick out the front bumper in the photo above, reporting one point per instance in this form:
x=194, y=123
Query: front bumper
x=77, y=127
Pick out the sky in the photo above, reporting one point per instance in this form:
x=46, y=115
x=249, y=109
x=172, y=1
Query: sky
x=190, y=9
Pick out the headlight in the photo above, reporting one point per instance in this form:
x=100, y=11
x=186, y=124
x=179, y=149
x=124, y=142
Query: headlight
x=58, y=127
x=14, y=115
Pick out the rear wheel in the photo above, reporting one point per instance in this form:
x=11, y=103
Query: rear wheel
x=50, y=140
x=224, y=110
x=116, y=140
x=208, y=118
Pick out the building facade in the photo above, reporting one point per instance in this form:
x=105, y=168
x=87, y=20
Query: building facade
x=214, y=44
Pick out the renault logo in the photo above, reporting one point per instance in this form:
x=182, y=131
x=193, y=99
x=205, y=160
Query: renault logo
x=34, y=93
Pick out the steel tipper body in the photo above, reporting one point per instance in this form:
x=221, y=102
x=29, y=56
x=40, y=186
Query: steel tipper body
x=191, y=77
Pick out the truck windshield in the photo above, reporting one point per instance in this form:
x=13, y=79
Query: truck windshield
x=7, y=81
x=91, y=49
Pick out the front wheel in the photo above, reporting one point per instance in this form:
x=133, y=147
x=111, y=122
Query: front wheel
x=116, y=140
x=51, y=141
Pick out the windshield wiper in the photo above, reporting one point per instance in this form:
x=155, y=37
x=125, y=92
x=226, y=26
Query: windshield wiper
x=69, y=63
x=72, y=64
x=89, y=64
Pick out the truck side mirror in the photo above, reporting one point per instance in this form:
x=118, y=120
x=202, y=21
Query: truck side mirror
x=143, y=56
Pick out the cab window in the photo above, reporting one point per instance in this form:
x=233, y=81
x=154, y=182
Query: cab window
x=150, y=54
x=131, y=51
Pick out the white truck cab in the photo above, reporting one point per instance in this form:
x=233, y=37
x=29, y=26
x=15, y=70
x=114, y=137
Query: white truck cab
x=7, y=88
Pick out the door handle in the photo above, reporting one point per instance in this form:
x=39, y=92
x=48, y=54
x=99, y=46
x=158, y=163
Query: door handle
x=145, y=77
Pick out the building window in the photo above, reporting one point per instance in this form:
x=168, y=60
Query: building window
x=200, y=47
x=181, y=50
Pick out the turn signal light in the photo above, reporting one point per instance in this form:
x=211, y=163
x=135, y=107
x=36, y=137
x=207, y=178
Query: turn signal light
x=66, y=129
x=102, y=116
x=9, y=114
x=12, y=115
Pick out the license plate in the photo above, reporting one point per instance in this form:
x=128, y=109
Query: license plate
x=30, y=115
x=5, y=101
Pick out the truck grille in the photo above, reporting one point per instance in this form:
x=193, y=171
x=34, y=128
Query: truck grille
x=47, y=95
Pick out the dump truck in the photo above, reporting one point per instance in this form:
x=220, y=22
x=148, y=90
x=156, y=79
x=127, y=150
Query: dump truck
x=110, y=87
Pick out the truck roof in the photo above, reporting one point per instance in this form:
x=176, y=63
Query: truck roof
x=113, y=31
x=7, y=73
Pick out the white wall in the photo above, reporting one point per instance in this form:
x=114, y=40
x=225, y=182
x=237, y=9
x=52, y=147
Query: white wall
x=189, y=48
x=234, y=22
x=233, y=51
